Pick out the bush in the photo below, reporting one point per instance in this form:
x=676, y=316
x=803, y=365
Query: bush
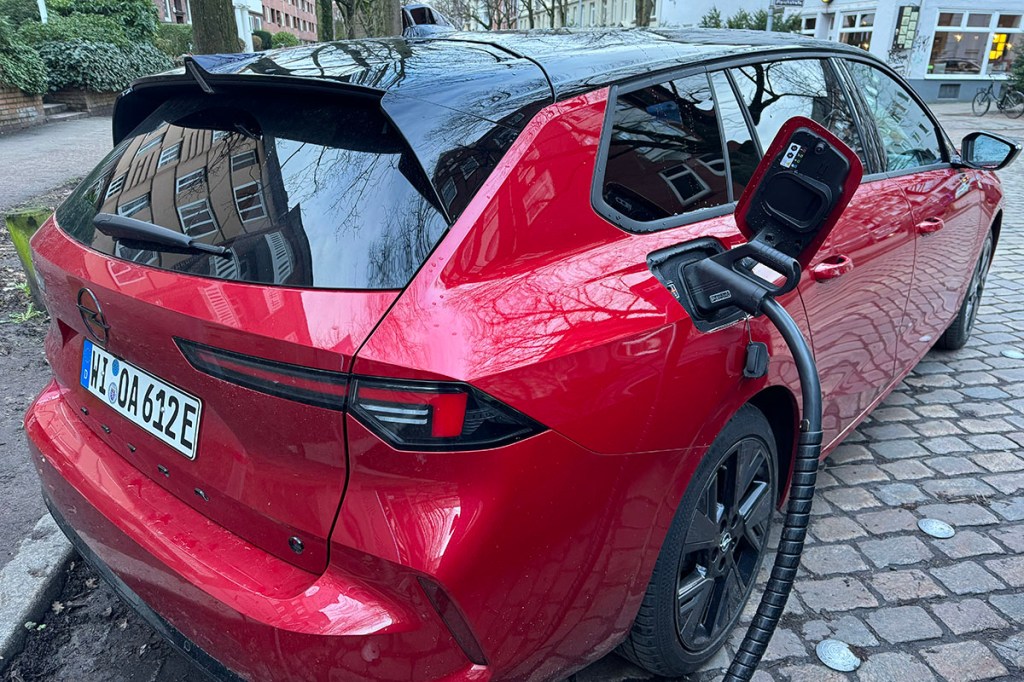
x=174, y=40
x=1017, y=72
x=138, y=18
x=19, y=11
x=20, y=65
x=266, y=40
x=75, y=27
x=284, y=39
x=257, y=43
x=100, y=67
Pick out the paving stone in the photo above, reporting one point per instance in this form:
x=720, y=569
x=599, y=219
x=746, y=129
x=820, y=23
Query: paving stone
x=856, y=474
x=834, y=528
x=982, y=410
x=784, y=644
x=936, y=412
x=969, y=615
x=953, y=466
x=853, y=631
x=887, y=521
x=957, y=488
x=894, y=414
x=831, y=559
x=962, y=514
x=991, y=441
x=908, y=585
x=937, y=427
x=976, y=378
x=834, y=594
x=999, y=462
x=1010, y=604
x=1011, y=650
x=1012, y=537
x=984, y=393
x=1011, y=509
x=899, y=624
x=1010, y=570
x=967, y=577
x=985, y=425
x=851, y=499
x=1007, y=484
x=901, y=550
x=945, y=445
x=810, y=673
x=896, y=494
x=846, y=453
x=941, y=396
x=967, y=543
x=899, y=449
x=891, y=667
x=825, y=480
x=907, y=470
x=964, y=661
x=889, y=432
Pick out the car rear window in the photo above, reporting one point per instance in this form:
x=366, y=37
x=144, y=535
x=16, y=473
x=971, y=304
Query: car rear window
x=303, y=190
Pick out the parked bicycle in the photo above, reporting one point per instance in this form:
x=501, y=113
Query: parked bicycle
x=1010, y=101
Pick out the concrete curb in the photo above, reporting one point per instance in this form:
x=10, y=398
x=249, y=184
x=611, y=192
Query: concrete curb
x=29, y=582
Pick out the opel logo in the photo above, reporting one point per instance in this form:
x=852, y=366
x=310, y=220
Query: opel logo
x=92, y=316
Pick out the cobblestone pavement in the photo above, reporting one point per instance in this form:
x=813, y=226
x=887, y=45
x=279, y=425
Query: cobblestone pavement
x=948, y=443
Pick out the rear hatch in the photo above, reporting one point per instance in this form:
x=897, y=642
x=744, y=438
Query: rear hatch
x=222, y=376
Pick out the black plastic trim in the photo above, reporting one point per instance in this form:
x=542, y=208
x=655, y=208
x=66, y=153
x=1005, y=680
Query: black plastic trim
x=213, y=668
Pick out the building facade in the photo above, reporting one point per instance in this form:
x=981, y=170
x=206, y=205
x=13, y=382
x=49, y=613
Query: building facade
x=295, y=16
x=174, y=11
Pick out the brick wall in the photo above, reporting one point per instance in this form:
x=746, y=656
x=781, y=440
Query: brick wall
x=18, y=110
x=96, y=103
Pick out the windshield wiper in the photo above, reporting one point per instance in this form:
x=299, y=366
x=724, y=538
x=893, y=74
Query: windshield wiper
x=125, y=229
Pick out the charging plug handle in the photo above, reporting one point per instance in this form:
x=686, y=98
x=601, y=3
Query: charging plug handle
x=727, y=279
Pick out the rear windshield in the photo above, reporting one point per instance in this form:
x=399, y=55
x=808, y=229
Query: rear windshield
x=304, y=191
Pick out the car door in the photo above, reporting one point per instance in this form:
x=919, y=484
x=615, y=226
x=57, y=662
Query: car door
x=856, y=288
x=945, y=204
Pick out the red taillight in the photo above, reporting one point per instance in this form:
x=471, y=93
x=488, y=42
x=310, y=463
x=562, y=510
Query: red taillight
x=409, y=415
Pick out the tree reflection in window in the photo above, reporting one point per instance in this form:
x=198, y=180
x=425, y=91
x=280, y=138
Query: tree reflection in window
x=665, y=156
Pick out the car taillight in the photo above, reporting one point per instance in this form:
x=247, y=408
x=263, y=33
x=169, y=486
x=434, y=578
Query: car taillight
x=436, y=416
x=408, y=415
x=303, y=384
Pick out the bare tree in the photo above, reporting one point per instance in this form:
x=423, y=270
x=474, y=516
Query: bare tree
x=644, y=10
x=325, y=20
x=557, y=11
x=528, y=7
x=370, y=18
x=213, y=27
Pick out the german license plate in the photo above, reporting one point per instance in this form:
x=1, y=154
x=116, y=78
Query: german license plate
x=160, y=409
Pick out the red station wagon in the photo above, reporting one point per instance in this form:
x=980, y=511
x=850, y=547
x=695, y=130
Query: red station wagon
x=361, y=370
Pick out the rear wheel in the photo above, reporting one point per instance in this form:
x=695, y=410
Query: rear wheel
x=1014, y=104
x=981, y=104
x=959, y=331
x=709, y=562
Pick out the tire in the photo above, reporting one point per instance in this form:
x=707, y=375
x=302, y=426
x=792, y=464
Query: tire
x=709, y=562
x=1014, y=104
x=980, y=104
x=959, y=331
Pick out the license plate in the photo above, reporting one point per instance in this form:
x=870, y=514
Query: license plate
x=160, y=409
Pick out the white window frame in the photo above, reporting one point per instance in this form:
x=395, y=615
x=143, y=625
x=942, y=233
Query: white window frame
x=989, y=31
x=240, y=161
x=681, y=170
x=169, y=154
x=258, y=194
x=116, y=185
x=204, y=204
x=130, y=208
x=149, y=146
x=857, y=27
x=190, y=180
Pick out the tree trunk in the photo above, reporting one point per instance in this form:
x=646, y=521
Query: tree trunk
x=325, y=20
x=213, y=27
x=644, y=9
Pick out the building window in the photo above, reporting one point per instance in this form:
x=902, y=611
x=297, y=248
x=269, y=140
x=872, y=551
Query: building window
x=243, y=160
x=190, y=180
x=197, y=220
x=975, y=43
x=130, y=208
x=249, y=202
x=116, y=185
x=150, y=146
x=809, y=26
x=856, y=29
x=170, y=154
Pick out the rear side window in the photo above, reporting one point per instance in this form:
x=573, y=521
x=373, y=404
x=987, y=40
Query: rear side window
x=774, y=92
x=665, y=156
x=909, y=138
x=303, y=190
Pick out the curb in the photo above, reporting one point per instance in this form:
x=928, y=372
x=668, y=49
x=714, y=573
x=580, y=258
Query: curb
x=29, y=582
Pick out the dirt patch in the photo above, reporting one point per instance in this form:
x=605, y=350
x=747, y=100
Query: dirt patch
x=90, y=635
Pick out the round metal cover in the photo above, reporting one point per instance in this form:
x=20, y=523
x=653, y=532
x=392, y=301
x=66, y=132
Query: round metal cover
x=837, y=655
x=936, y=528
x=1013, y=354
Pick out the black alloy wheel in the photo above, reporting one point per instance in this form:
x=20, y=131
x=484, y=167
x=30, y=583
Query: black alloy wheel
x=709, y=561
x=959, y=331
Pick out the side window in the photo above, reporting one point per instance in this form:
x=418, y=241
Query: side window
x=739, y=143
x=777, y=91
x=909, y=138
x=665, y=154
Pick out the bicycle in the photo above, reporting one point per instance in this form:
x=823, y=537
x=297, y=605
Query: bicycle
x=1010, y=101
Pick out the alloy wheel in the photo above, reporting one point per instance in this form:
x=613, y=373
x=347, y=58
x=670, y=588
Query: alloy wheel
x=977, y=285
x=724, y=544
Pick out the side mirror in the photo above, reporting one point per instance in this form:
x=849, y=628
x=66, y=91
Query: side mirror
x=802, y=185
x=988, y=151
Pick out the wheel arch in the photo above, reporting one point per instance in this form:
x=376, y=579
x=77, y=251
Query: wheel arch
x=997, y=226
x=779, y=406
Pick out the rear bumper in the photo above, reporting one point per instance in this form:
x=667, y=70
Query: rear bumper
x=236, y=610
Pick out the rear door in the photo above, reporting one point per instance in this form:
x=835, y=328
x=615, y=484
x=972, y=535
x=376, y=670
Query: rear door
x=237, y=363
x=945, y=205
x=856, y=288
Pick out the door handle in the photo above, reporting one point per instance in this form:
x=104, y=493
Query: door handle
x=930, y=225
x=833, y=267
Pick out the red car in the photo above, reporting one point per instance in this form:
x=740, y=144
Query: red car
x=361, y=371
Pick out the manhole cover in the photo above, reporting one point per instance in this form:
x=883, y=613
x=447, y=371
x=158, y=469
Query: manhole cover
x=936, y=528
x=837, y=655
x=1013, y=354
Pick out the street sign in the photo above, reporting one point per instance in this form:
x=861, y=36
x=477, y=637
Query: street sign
x=788, y=3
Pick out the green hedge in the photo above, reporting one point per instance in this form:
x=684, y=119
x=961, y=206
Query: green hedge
x=100, y=67
x=174, y=40
x=285, y=39
x=19, y=11
x=138, y=18
x=266, y=40
x=75, y=27
x=20, y=65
